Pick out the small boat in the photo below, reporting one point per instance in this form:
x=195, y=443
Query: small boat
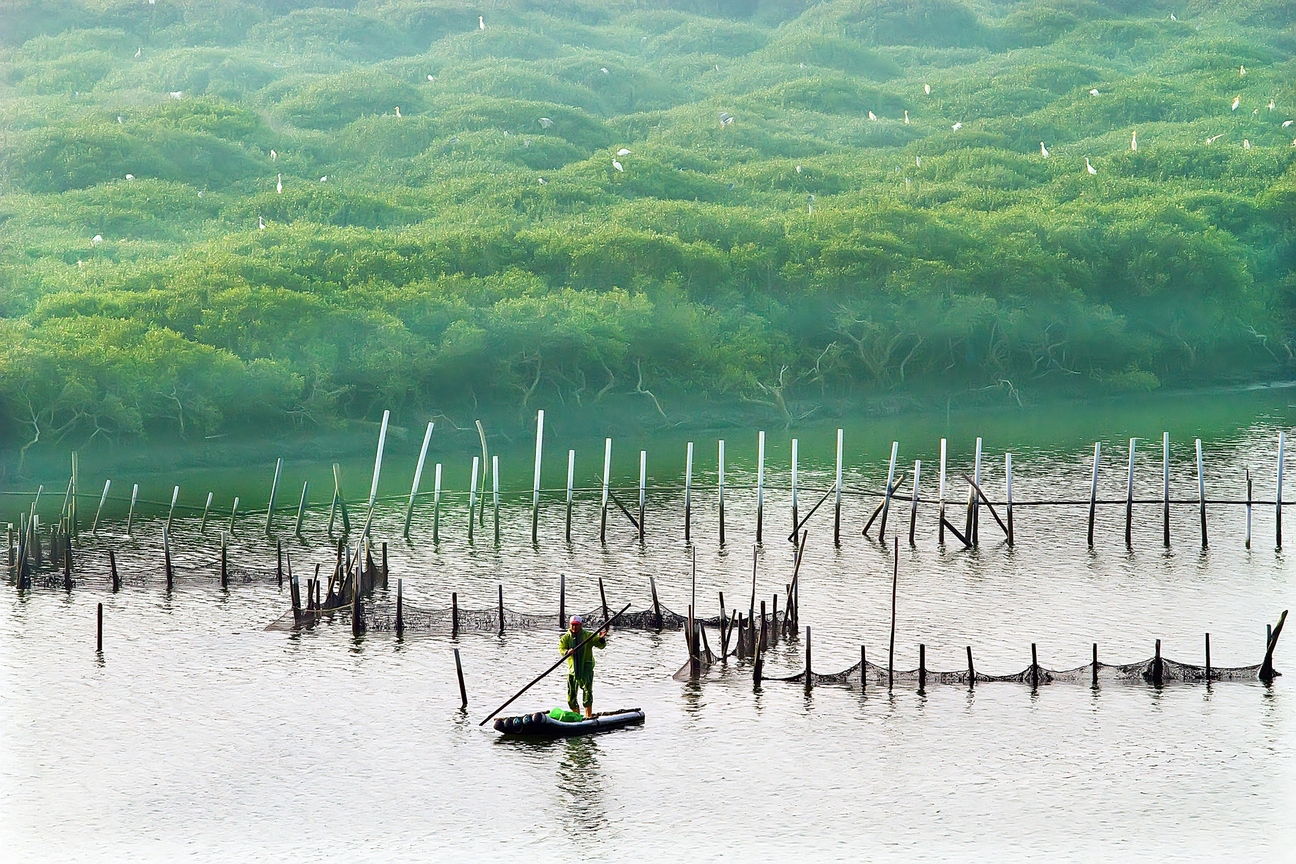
x=542, y=725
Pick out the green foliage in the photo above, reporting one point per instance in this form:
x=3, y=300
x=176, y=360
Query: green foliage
x=796, y=214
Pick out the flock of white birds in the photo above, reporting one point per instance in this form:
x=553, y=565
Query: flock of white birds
x=726, y=119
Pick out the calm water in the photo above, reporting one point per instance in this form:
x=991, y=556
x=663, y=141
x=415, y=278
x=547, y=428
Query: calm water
x=199, y=733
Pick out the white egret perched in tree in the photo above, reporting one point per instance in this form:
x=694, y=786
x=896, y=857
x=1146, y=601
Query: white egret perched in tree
x=604, y=70
x=1214, y=138
x=872, y=116
x=726, y=119
x=1271, y=105
x=927, y=89
x=119, y=120
x=1134, y=140
x=398, y=111
x=1242, y=71
x=957, y=126
x=617, y=165
x=273, y=155
x=545, y=122
x=798, y=169
x=130, y=176
x=1287, y=123
x=623, y=152
x=1043, y=150
x=1246, y=143
x=543, y=182
x=481, y=23
x=139, y=51
x=177, y=94
x=1090, y=168
x=1172, y=17
x=1094, y=92
x=96, y=240
x=906, y=118
x=260, y=223
x=918, y=161
x=324, y=179
x=431, y=77
x=1237, y=100
x=279, y=185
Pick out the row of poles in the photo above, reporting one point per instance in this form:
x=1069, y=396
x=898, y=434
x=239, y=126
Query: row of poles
x=896, y=477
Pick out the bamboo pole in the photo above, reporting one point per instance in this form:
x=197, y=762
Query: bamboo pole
x=373, y=486
x=1093, y=491
x=1248, y=509
x=838, y=487
x=436, y=504
x=562, y=601
x=202, y=528
x=1278, y=499
x=418, y=475
x=104, y=497
x=535, y=483
x=571, y=477
x=340, y=501
x=481, y=436
x=274, y=487
x=1201, y=492
x=130, y=515
x=224, y=561
x=501, y=608
x=607, y=476
x=886, y=499
x=1129, y=497
x=720, y=478
x=301, y=508
x=941, y=494
x=688, y=492
x=400, y=617
x=495, y=494
x=796, y=524
x=643, y=481
x=760, y=494
x=175, y=495
x=472, y=497
x=913, y=503
x=233, y=513
x=1165, y=487
x=463, y=691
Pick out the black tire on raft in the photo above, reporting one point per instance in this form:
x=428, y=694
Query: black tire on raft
x=527, y=720
x=517, y=723
x=538, y=717
x=499, y=724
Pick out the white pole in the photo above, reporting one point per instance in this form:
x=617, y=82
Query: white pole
x=838, y=486
x=942, y=491
x=721, y=492
x=1165, y=489
x=535, y=483
x=1008, y=478
x=418, y=475
x=104, y=497
x=607, y=475
x=274, y=487
x=795, y=523
x=760, y=484
x=472, y=495
x=1278, y=499
x=436, y=504
x=382, y=440
x=688, y=491
x=886, y=497
x=1201, y=493
x=571, y=477
x=643, y=481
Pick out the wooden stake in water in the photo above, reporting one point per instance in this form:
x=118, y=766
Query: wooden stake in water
x=1008, y=481
x=233, y=513
x=562, y=601
x=796, y=524
x=418, y=475
x=495, y=494
x=339, y=500
x=913, y=503
x=941, y=494
x=1165, y=487
x=99, y=631
x=463, y=691
x=472, y=497
x=202, y=527
x=643, y=482
x=838, y=487
x=1129, y=497
x=436, y=504
x=720, y=477
x=104, y=497
x=688, y=491
x=224, y=562
x=166, y=555
x=274, y=487
x=760, y=494
x=886, y=498
x=501, y=609
x=175, y=495
x=301, y=508
x=400, y=612
x=373, y=487
x=130, y=516
x=571, y=477
x=535, y=482
x=607, y=476
x=1093, y=490
x=1201, y=493
x=1278, y=499
x=1248, y=510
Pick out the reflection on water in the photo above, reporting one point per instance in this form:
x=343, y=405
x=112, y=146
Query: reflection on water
x=581, y=783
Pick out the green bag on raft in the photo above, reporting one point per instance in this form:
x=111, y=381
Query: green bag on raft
x=562, y=715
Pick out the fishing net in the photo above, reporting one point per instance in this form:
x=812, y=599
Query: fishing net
x=1144, y=671
x=380, y=616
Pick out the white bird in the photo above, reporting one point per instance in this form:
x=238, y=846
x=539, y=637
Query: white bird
x=1043, y=150
x=119, y=120
x=481, y=23
x=1090, y=168
x=1242, y=71
x=279, y=185
x=543, y=181
x=872, y=116
x=810, y=208
x=623, y=152
x=398, y=111
x=918, y=161
x=1214, y=138
x=260, y=223
x=798, y=169
x=1271, y=105
x=1237, y=100
x=324, y=179
x=80, y=263
x=545, y=122
x=96, y=240
x=130, y=176
x=431, y=77
x=726, y=119
x=604, y=70
x=1294, y=142
x=717, y=67
x=1172, y=17
x=927, y=89
x=1134, y=140
x=139, y=51
x=177, y=94
x=617, y=165
x=1094, y=92
x=1246, y=143
x=1287, y=123
x=273, y=155
x=957, y=126
x=906, y=118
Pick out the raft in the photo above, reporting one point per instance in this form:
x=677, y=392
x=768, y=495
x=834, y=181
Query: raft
x=541, y=725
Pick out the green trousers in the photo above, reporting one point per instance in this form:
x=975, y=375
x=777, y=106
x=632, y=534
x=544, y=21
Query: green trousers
x=584, y=681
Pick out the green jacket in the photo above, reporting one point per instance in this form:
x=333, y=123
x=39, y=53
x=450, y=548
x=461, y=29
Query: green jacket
x=582, y=662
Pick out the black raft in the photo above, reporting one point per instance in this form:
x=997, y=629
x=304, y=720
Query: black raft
x=541, y=725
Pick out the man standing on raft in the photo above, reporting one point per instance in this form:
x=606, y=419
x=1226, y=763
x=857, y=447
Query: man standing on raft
x=580, y=663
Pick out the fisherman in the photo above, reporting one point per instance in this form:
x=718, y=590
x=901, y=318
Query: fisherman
x=580, y=663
